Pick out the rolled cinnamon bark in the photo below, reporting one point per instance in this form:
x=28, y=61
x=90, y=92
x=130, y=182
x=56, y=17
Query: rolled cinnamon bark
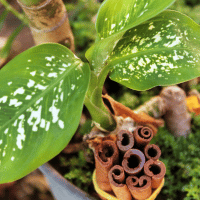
x=152, y=151
x=156, y=170
x=106, y=155
x=133, y=161
x=125, y=140
x=142, y=136
x=140, y=188
x=116, y=177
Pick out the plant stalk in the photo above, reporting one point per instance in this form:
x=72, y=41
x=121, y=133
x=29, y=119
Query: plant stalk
x=94, y=103
x=49, y=22
x=14, y=12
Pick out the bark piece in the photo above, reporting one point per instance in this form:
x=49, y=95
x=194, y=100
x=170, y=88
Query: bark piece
x=177, y=118
x=117, y=178
x=106, y=155
x=140, y=188
x=49, y=22
x=143, y=136
x=125, y=140
x=156, y=170
x=152, y=151
x=140, y=118
x=133, y=161
x=155, y=107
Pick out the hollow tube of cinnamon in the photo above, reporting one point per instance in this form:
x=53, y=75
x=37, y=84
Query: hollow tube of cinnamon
x=156, y=170
x=106, y=155
x=152, y=151
x=142, y=136
x=133, y=161
x=116, y=177
x=140, y=188
x=125, y=140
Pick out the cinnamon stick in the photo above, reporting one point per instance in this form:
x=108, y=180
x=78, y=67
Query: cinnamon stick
x=152, y=151
x=142, y=135
x=140, y=118
x=125, y=140
x=117, y=178
x=156, y=170
x=106, y=155
x=140, y=188
x=133, y=161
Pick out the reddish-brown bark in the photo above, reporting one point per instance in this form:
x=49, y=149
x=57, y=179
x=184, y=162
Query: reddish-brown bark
x=106, y=155
x=140, y=188
x=117, y=181
x=156, y=170
x=125, y=140
x=133, y=161
x=152, y=151
x=143, y=136
x=140, y=118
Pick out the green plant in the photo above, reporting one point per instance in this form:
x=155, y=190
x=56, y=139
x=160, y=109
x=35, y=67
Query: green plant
x=43, y=89
x=78, y=171
x=81, y=14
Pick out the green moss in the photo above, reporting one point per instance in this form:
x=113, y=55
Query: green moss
x=78, y=170
x=129, y=100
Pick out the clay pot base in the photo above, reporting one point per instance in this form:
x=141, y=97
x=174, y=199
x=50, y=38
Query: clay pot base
x=105, y=195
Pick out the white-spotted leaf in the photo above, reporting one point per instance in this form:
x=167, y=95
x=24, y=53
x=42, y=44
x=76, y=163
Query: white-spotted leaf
x=114, y=18
x=162, y=51
x=41, y=99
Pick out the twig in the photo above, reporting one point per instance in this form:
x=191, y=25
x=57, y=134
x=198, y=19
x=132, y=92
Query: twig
x=15, y=12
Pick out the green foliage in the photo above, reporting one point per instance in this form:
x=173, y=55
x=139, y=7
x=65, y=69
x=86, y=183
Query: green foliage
x=193, y=12
x=2, y=18
x=79, y=171
x=5, y=51
x=86, y=127
x=81, y=16
x=41, y=100
x=111, y=27
x=159, y=52
x=134, y=99
x=182, y=159
x=130, y=100
x=43, y=89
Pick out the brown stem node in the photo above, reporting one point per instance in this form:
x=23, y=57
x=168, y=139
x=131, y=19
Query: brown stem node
x=49, y=22
x=117, y=177
x=140, y=188
x=125, y=140
x=142, y=135
x=156, y=170
x=152, y=151
x=106, y=155
x=133, y=161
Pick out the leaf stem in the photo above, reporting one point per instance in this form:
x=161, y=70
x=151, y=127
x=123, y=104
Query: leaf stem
x=94, y=103
x=7, y=47
x=14, y=12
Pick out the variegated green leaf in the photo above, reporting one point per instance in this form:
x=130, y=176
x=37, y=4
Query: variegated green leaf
x=115, y=16
x=41, y=99
x=100, y=51
x=161, y=51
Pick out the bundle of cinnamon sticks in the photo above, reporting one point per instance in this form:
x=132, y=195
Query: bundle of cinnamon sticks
x=128, y=166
